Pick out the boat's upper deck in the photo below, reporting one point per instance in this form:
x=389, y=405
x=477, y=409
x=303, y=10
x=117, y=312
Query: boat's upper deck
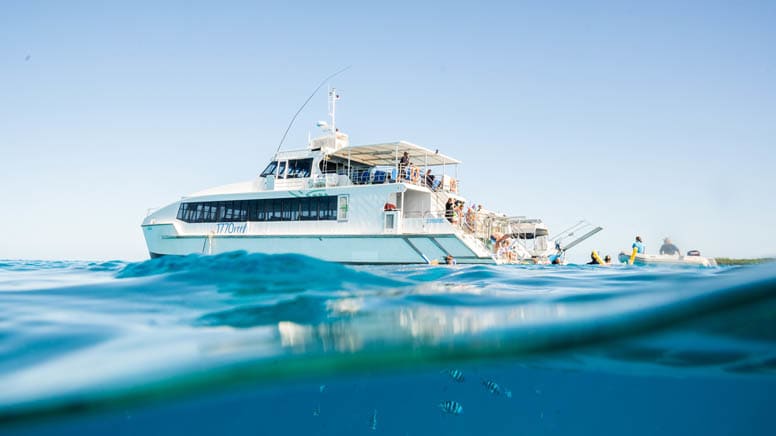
x=373, y=164
x=327, y=164
x=391, y=153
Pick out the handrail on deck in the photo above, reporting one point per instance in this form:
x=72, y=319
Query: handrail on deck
x=377, y=176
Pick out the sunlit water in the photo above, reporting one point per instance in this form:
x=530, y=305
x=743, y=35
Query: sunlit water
x=255, y=344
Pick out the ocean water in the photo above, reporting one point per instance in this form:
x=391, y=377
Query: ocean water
x=255, y=344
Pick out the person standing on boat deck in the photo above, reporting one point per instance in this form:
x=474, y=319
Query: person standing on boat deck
x=668, y=248
x=413, y=172
x=449, y=212
x=458, y=212
x=470, y=218
x=404, y=162
x=639, y=245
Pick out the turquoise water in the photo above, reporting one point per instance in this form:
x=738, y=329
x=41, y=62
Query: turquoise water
x=254, y=344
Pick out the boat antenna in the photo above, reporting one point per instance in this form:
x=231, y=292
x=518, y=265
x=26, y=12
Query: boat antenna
x=305, y=104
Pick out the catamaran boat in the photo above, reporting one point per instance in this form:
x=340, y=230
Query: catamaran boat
x=361, y=204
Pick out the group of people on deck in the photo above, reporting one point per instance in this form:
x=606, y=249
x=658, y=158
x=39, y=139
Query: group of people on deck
x=454, y=212
x=408, y=171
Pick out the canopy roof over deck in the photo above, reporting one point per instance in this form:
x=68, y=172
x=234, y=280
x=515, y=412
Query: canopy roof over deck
x=389, y=153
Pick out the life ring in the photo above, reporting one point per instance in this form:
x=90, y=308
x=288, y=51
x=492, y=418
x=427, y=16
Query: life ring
x=415, y=176
x=453, y=185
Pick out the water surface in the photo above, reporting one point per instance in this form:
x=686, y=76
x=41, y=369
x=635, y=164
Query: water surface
x=254, y=344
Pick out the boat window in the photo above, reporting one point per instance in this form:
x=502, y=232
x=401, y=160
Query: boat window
x=200, y=216
x=327, y=208
x=342, y=210
x=313, y=209
x=390, y=220
x=278, y=209
x=282, y=169
x=327, y=166
x=183, y=212
x=270, y=170
x=290, y=209
x=304, y=209
x=253, y=211
x=228, y=211
x=220, y=210
x=299, y=168
x=267, y=205
x=242, y=210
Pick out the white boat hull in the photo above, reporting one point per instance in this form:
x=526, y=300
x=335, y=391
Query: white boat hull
x=162, y=239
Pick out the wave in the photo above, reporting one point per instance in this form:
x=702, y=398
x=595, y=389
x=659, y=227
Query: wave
x=44, y=265
x=249, y=273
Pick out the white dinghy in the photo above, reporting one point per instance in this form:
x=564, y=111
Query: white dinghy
x=693, y=258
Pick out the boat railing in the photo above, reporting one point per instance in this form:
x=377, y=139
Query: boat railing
x=381, y=175
x=468, y=221
x=471, y=221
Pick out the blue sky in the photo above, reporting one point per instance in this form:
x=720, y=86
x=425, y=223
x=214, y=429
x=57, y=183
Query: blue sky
x=652, y=118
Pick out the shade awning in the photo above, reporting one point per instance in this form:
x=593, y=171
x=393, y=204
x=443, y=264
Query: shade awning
x=389, y=153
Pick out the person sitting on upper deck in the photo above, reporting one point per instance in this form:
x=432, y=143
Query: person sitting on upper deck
x=429, y=180
x=404, y=162
x=416, y=176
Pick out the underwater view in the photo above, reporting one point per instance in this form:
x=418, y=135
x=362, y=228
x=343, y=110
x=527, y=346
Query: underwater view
x=283, y=344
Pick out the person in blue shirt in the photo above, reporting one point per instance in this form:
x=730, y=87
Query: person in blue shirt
x=638, y=245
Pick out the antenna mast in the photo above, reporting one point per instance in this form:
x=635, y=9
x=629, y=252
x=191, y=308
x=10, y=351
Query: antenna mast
x=333, y=97
x=291, y=123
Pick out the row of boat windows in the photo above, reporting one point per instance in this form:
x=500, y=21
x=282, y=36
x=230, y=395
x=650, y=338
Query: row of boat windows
x=276, y=209
x=302, y=168
x=289, y=169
